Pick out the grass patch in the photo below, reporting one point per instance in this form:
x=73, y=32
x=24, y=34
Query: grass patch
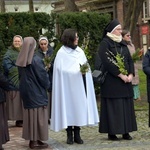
x=143, y=104
x=142, y=85
x=140, y=105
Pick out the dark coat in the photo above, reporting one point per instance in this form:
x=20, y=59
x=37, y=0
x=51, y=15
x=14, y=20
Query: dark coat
x=41, y=54
x=113, y=86
x=50, y=71
x=4, y=85
x=34, y=82
x=10, y=68
x=146, y=69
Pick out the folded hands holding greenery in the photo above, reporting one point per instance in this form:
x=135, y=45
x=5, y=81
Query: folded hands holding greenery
x=118, y=61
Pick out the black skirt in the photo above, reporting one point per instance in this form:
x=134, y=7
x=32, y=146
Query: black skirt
x=4, y=134
x=117, y=116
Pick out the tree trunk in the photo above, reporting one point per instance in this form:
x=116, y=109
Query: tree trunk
x=70, y=6
x=133, y=9
x=2, y=2
x=31, y=8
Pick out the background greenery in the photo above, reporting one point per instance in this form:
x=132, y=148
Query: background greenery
x=89, y=25
x=143, y=104
x=24, y=24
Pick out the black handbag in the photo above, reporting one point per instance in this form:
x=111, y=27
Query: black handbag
x=99, y=74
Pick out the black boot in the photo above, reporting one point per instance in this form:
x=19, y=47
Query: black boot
x=127, y=136
x=69, y=135
x=112, y=137
x=77, y=137
x=19, y=123
x=1, y=148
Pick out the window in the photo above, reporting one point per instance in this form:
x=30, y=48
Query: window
x=146, y=9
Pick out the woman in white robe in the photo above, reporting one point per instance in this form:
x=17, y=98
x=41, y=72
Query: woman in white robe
x=73, y=101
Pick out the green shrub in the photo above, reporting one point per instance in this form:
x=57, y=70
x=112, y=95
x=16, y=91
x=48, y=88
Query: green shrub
x=24, y=24
x=89, y=25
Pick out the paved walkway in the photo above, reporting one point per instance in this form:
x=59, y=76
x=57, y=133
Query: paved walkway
x=93, y=140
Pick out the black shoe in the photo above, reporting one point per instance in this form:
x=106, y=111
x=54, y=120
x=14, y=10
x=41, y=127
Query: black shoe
x=42, y=144
x=77, y=137
x=49, y=122
x=78, y=140
x=127, y=136
x=112, y=137
x=19, y=123
x=37, y=145
x=69, y=135
x=69, y=140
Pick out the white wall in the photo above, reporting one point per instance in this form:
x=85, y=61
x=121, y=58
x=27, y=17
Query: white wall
x=24, y=7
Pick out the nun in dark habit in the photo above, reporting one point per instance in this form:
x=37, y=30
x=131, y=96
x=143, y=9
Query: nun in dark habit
x=146, y=69
x=117, y=114
x=4, y=133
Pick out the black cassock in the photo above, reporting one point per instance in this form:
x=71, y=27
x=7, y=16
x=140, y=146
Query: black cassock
x=149, y=114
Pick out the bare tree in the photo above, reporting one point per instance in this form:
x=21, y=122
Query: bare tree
x=31, y=8
x=133, y=9
x=70, y=5
x=2, y=2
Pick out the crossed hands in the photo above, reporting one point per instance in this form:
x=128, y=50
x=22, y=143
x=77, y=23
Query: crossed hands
x=126, y=78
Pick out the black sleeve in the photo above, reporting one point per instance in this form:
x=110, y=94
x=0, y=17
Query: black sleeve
x=109, y=66
x=146, y=63
x=3, y=82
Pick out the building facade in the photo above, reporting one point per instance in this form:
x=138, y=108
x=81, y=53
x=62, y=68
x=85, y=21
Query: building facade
x=145, y=25
x=114, y=7
x=23, y=5
x=117, y=10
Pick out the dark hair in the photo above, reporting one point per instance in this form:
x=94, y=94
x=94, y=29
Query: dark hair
x=68, y=37
x=124, y=32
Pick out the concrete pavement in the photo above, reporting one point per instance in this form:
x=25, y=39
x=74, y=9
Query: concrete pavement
x=93, y=140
